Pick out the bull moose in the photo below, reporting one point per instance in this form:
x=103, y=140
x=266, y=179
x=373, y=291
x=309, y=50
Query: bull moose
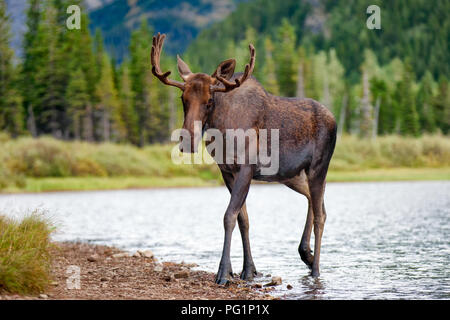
x=307, y=137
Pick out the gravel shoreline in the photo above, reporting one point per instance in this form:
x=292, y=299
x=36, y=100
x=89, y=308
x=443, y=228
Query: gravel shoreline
x=108, y=273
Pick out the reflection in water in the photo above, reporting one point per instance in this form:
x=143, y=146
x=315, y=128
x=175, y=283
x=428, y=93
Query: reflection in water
x=313, y=288
x=381, y=240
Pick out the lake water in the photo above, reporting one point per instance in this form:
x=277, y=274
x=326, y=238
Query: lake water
x=381, y=240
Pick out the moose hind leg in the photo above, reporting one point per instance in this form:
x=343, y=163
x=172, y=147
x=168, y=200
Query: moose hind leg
x=300, y=184
x=248, y=270
x=317, y=188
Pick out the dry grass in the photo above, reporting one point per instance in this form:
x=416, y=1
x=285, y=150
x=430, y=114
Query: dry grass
x=25, y=158
x=25, y=254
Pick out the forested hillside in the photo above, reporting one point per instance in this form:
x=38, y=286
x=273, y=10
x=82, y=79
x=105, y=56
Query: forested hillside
x=376, y=82
x=415, y=29
x=182, y=20
x=392, y=80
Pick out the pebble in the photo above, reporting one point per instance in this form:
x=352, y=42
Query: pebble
x=257, y=285
x=169, y=277
x=120, y=255
x=190, y=265
x=275, y=282
x=158, y=268
x=103, y=279
x=181, y=275
x=93, y=258
x=43, y=296
x=146, y=254
x=289, y=287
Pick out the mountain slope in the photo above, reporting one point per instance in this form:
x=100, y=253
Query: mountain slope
x=181, y=20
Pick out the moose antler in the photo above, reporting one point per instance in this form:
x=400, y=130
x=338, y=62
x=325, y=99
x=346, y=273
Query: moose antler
x=237, y=82
x=158, y=42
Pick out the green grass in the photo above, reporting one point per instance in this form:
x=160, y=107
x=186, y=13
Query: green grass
x=109, y=183
x=115, y=183
x=391, y=174
x=25, y=254
x=46, y=164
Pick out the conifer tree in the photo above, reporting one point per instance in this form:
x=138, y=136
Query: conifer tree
x=140, y=46
x=285, y=59
x=425, y=103
x=442, y=105
x=409, y=118
x=108, y=104
x=127, y=111
x=33, y=59
x=270, y=79
x=77, y=98
x=11, y=115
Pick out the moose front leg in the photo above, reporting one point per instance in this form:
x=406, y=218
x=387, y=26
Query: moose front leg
x=248, y=270
x=238, y=196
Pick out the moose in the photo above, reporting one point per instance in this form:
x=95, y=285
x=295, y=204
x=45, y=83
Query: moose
x=307, y=138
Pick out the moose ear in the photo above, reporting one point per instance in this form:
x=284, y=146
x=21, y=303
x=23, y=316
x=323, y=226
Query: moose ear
x=225, y=69
x=183, y=69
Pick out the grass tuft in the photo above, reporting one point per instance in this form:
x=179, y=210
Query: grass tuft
x=25, y=254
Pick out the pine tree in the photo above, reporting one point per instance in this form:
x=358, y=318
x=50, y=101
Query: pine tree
x=285, y=59
x=425, y=103
x=270, y=79
x=140, y=46
x=98, y=52
x=336, y=83
x=80, y=46
x=77, y=98
x=108, y=104
x=409, y=118
x=127, y=111
x=11, y=116
x=442, y=105
x=34, y=53
x=52, y=75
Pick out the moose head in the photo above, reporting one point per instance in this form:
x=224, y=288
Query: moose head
x=198, y=88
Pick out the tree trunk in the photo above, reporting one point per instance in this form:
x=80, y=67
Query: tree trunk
x=106, y=125
x=343, y=114
x=375, y=118
x=300, y=82
x=76, y=126
x=366, y=108
x=88, y=124
x=326, y=94
x=31, y=122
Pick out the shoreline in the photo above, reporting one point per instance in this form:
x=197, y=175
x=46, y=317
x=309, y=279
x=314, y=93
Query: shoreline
x=71, y=184
x=109, y=273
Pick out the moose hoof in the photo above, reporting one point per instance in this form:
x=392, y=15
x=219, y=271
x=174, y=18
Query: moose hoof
x=222, y=281
x=307, y=257
x=249, y=273
x=315, y=273
x=224, y=275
